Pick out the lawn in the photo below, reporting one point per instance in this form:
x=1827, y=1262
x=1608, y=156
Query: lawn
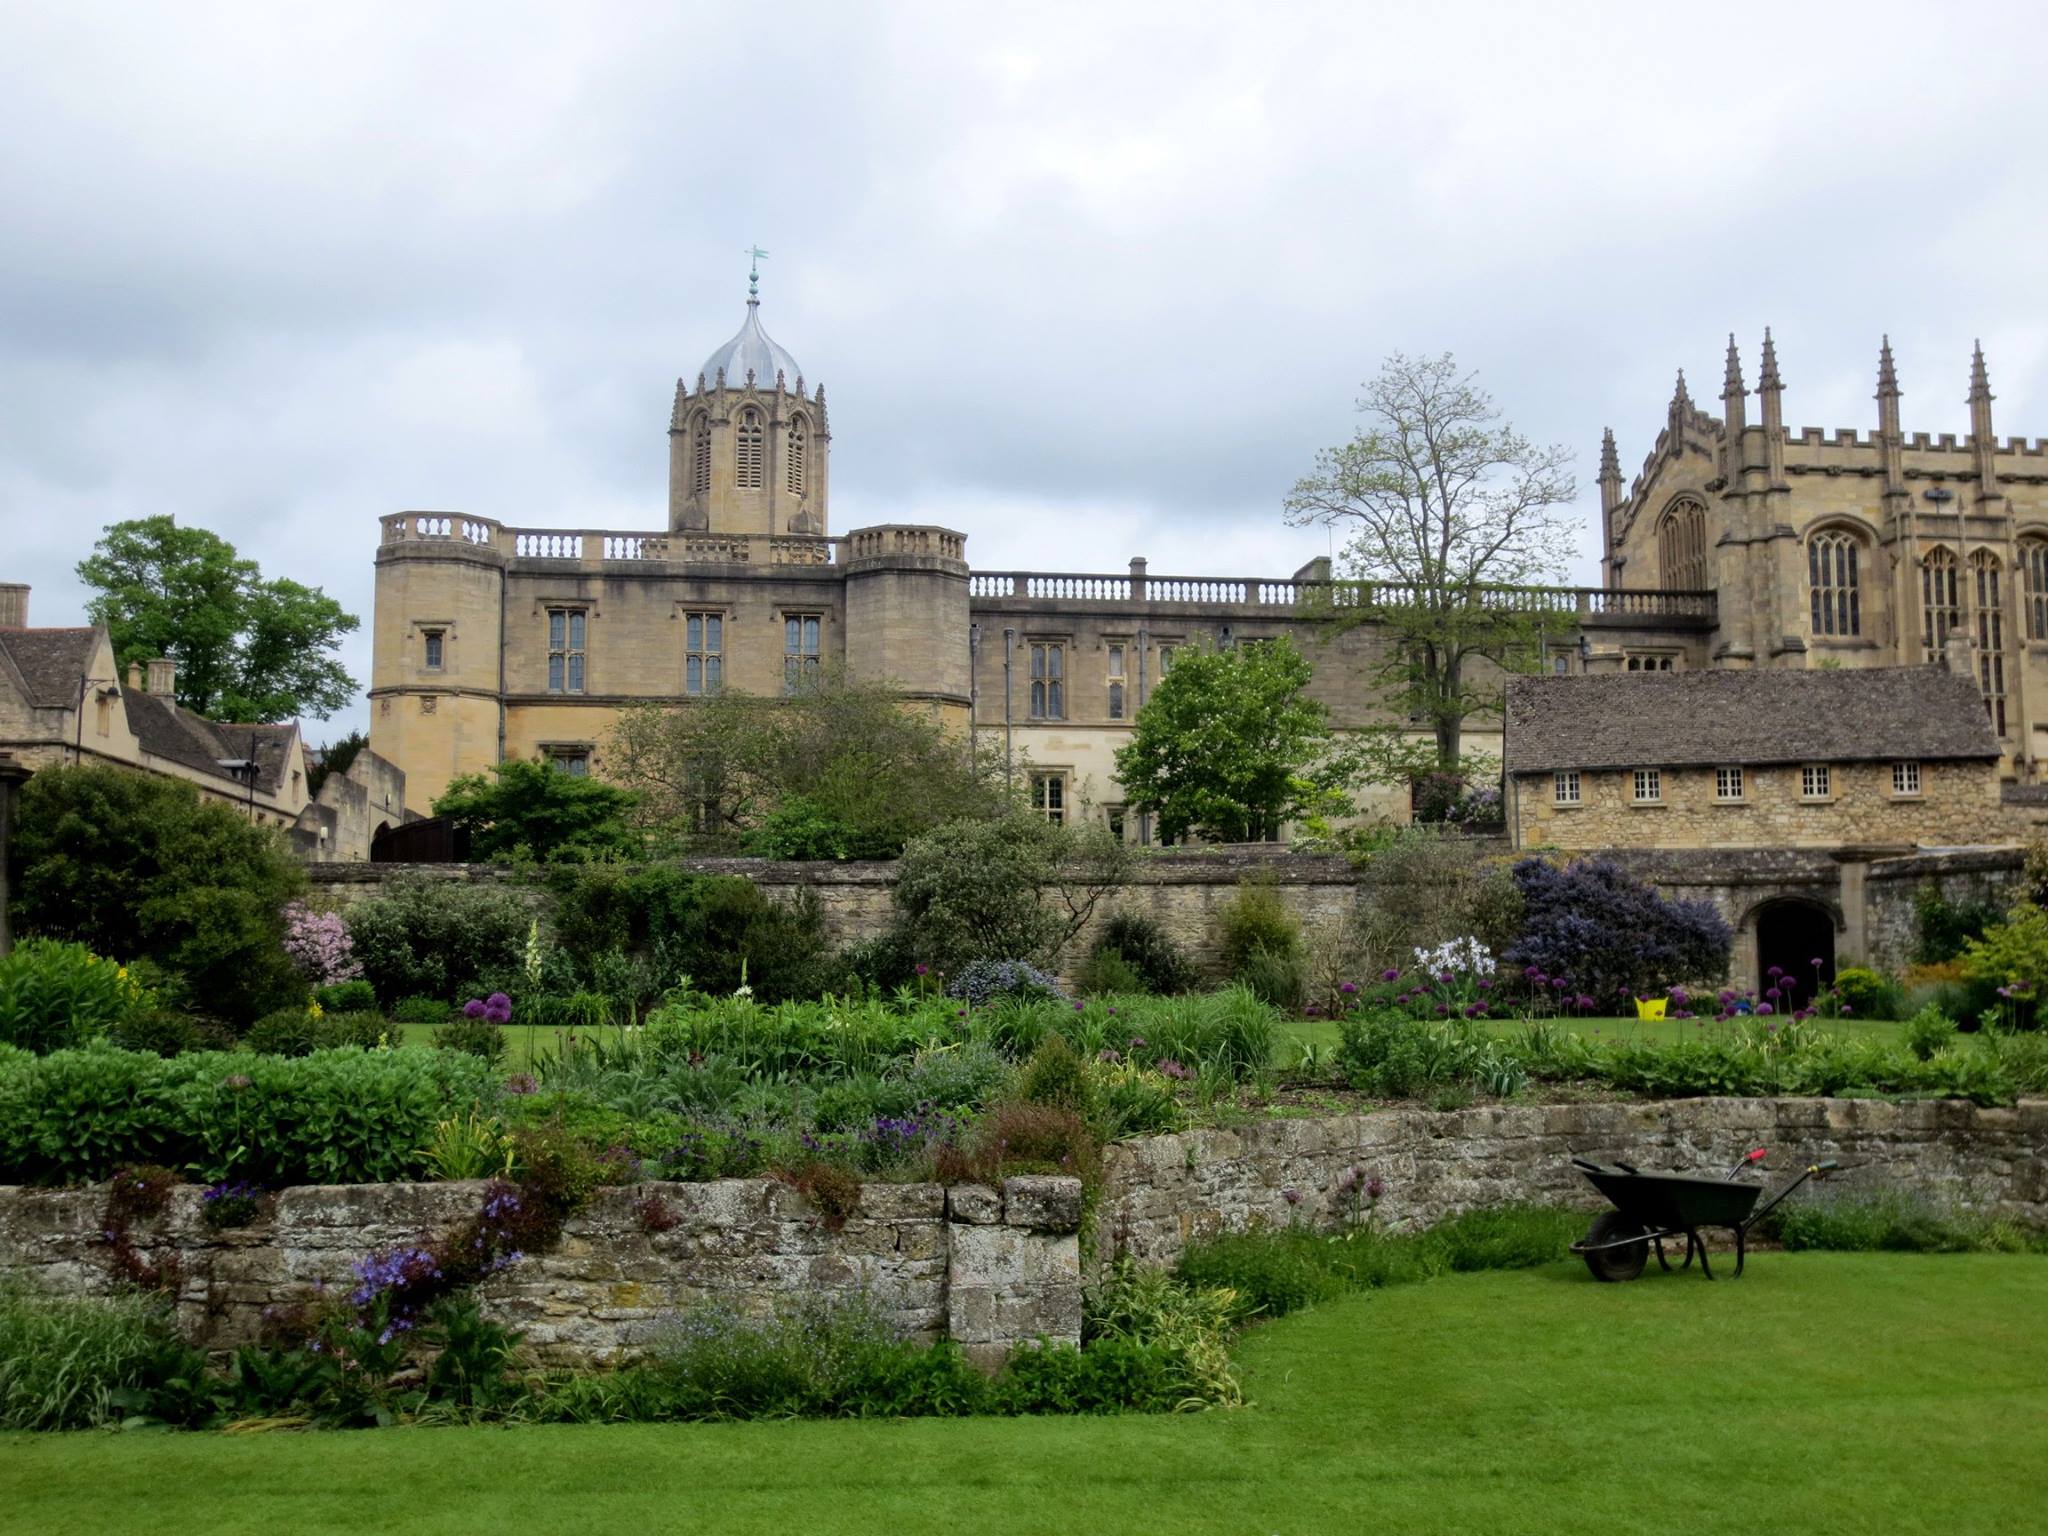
x=1820, y=1393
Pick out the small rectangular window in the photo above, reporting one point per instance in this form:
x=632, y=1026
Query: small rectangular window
x=574, y=762
x=1649, y=785
x=800, y=661
x=1116, y=701
x=1048, y=680
x=1813, y=781
x=431, y=646
x=1165, y=660
x=1727, y=783
x=1116, y=661
x=1567, y=787
x=703, y=652
x=1905, y=778
x=1114, y=816
x=566, y=629
x=1049, y=796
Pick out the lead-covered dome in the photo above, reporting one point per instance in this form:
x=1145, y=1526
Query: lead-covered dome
x=752, y=349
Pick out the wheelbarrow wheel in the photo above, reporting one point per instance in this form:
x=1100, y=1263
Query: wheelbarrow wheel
x=1620, y=1263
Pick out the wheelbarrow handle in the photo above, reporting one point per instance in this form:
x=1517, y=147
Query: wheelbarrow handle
x=1776, y=1200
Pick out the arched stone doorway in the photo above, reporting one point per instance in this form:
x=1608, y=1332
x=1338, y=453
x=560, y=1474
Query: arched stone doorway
x=1790, y=935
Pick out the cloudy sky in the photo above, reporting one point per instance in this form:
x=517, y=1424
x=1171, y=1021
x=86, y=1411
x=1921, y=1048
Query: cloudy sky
x=1083, y=282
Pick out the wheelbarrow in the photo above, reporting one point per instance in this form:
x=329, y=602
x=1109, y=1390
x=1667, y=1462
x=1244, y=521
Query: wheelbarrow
x=1650, y=1207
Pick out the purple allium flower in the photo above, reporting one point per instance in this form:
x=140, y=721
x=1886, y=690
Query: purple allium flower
x=1484, y=984
x=1775, y=972
x=1079, y=1006
x=1558, y=982
x=1582, y=1001
x=1291, y=1196
x=923, y=969
x=1390, y=974
x=1533, y=973
x=1847, y=1010
x=522, y=1082
x=1816, y=962
x=1680, y=997
x=1348, y=988
x=1763, y=1008
x=1375, y=1187
x=473, y=1009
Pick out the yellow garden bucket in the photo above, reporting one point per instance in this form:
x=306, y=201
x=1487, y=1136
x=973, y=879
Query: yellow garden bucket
x=1650, y=1007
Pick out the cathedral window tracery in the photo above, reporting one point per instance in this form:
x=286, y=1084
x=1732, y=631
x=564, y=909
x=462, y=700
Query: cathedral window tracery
x=2034, y=576
x=798, y=453
x=1984, y=571
x=1834, y=583
x=1682, y=548
x=1940, y=610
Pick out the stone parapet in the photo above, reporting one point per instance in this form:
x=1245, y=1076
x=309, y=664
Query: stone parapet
x=990, y=1269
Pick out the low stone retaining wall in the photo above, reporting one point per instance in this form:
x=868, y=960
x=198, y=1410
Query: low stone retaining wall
x=1162, y=1191
x=988, y=1268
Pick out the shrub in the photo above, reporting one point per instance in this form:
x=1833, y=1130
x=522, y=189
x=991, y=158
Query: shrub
x=74, y=1362
x=1255, y=920
x=319, y=946
x=1141, y=943
x=533, y=810
x=346, y=997
x=1016, y=1138
x=984, y=981
x=166, y=1032
x=54, y=995
x=424, y=938
x=477, y=1037
x=2012, y=953
x=1385, y=1052
x=620, y=908
x=136, y=865
x=1608, y=933
x=1056, y=1076
x=301, y=1031
x=1135, y=1102
x=420, y=1010
x=970, y=890
x=1943, y=927
x=1105, y=973
x=1928, y=1031
x=1273, y=976
x=1868, y=994
x=335, y=1117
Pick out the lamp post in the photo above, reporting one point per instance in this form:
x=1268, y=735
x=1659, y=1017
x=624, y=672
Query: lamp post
x=13, y=775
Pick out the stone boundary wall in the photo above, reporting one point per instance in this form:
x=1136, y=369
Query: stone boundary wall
x=1165, y=1190
x=987, y=1268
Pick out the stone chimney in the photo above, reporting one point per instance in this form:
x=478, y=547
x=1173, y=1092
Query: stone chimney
x=163, y=677
x=13, y=605
x=135, y=677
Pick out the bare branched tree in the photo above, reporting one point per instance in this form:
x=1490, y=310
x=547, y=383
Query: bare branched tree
x=1445, y=507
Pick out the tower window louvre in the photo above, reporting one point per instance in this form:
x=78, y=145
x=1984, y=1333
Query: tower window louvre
x=747, y=459
x=799, y=445
x=700, y=454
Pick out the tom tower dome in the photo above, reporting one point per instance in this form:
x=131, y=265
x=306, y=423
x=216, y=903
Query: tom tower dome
x=748, y=448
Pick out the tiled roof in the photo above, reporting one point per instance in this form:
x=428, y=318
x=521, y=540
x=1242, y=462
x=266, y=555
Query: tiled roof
x=166, y=730
x=50, y=662
x=1701, y=719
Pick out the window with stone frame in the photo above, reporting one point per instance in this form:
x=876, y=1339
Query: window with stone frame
x=796, y=456
x=1564, y=786
x=1682, y=547
x=1049, y=796
x=1115, y=819
x=1815, y=780
x=1649, y=786
x=1905, y=779
x=800, y=654
x=1834, y=570
x=2034, y=580
x=572, y=760
x=748, y=445
x=1990, y=609
x=1654, y=663
x=567, y=632
x=1728, y=784
x=1048, y=680
x=1940, y=608
x=703, y=652
x=1115, y=668
x=700, y=453
x=433, y=646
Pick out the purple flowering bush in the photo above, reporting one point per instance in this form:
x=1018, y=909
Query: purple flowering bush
x=319, y=945
x=1610, y=933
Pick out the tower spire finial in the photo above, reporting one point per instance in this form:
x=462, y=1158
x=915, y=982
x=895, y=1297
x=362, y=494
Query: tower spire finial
x=1610, y=460
x=1887, y=374
x=1980, y=378
x=1731, y=381
x=1768, y=379
x=755, y=255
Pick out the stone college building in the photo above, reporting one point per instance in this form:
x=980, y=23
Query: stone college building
x=1742, y=545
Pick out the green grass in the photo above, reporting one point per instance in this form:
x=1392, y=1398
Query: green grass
x=1820, y=1393
x=1296, y=1033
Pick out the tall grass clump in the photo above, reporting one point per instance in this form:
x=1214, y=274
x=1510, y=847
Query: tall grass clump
x=66, y=1362
x=1894, y=1221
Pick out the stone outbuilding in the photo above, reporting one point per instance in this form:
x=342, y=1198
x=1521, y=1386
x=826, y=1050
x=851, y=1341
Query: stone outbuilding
x=1898, y=757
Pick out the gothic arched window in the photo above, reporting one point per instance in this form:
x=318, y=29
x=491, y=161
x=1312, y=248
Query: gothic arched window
x=1990, y=635
x=1834, y=583
x=1682, y=548
x=700, y=453
x=799, y=446
x=2034, y=579
x=747, y=457
x=1940, y=610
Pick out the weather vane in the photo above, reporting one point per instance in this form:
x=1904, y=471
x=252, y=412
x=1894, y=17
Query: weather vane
x=756, y=254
